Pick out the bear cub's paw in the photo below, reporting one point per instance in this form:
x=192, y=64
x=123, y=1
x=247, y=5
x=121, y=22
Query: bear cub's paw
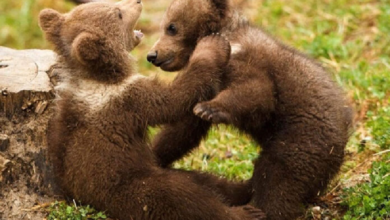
x=250, y=213
x=214, y=49
x=210, y=111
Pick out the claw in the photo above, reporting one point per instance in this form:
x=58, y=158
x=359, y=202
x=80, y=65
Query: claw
x=197, y=109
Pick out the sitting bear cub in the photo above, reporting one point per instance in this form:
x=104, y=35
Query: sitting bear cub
x=98, y=137
x=286, y=101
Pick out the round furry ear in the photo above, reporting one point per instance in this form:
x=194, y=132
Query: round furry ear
x=50, y=20
x=221, y=7
x=86, y=47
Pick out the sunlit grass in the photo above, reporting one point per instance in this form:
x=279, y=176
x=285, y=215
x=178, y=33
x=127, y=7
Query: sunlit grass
x=19, y=22
x=225, y=152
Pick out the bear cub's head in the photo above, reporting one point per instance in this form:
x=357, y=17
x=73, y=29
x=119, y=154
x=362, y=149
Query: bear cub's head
x=95, y=37
x=185, y=22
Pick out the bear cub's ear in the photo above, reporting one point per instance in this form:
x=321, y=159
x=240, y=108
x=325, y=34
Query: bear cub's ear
x=86, y=47
x=50, y=21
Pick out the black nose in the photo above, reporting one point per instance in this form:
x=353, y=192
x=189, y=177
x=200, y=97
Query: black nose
x=152, y=56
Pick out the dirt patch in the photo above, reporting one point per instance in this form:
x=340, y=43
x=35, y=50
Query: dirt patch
x=25, y=179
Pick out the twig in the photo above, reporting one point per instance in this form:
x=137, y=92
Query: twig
x=334, y=189
x=41, y=206
x=350, y=171
x=382, y=152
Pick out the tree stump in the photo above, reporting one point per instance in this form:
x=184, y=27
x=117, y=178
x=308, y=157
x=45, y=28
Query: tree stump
x=25, y=94
x=24, y=83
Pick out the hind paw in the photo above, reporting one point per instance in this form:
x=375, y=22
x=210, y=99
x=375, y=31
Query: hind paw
x=248, y=212
x=211, y=112
x=255, y=213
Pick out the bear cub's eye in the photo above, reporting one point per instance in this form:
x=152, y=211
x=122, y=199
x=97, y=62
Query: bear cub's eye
x=171, y=29
x=119, y=14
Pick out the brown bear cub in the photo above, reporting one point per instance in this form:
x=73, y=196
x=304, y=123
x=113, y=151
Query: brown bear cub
x=286, y=101
x=98, y=137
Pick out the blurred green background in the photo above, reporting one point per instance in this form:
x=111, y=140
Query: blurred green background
x=350, y=37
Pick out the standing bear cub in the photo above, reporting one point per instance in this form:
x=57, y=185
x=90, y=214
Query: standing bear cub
x=287, y=102
x=97, y=139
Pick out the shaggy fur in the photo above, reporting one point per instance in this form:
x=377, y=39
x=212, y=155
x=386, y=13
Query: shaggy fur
x=286, y=101
x=97, y=139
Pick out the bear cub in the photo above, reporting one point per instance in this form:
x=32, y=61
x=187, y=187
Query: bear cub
x=97, y=140
x=286, y=101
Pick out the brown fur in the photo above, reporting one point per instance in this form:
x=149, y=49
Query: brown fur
x=97, y=139
x=286, y=101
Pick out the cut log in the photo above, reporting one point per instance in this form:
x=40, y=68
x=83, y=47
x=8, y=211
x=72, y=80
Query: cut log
x=24, y=83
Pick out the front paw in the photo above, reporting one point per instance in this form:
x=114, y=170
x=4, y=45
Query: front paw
x=209, y=111
x=213, y=48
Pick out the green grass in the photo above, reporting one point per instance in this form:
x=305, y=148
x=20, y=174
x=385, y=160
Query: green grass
x=350, y=37
x=370, y=200
x=63, y=211
x=225, y=152
x=19, y=22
